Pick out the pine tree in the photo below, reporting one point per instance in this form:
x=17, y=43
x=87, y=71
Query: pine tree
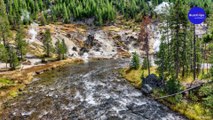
x=64, y=48
x=185, y=51
x=43, y=20
x=211, y=61
x=4, y=24
x=47, y=43
x=65, y=16
x=13, y=58
x=61, y=49
x=21, y=44
x=135, y=62
x=41, y=4
x=164, y=59
x=176, y=46
x=58, y=49
x=3, y=54
x=145, y=64
x=36, y=7
x=161, y=55
x=206, y=40
x=178, y=39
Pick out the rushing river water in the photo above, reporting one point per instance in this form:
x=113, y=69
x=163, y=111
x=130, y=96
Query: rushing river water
x=87, y=91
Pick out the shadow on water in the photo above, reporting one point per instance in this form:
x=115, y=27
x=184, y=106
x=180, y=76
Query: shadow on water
x=92, y=90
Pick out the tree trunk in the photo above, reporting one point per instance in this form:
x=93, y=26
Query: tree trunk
x=4, y=41
x=48, y=50
x=63, y=56
x=184, y=54
x=21, y=55
x=177, y=63
x=163, y=65
x=147, y=54
x=183, y=71
x=191, y=63
x=177, y=53
x=194, y=61
x=148, y=65
x=168, y=54
x=206, y=60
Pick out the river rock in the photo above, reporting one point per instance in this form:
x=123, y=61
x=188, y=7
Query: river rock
x=27, y=63
x=151, y=82
x=147, y=89
x=90, y=41
x=83, y=50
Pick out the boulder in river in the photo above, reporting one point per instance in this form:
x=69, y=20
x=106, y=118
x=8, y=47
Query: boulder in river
x=83, y=50
x=147, y=89
x=151, y=82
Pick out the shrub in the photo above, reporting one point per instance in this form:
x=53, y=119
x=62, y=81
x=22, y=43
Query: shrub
x=207, y=93
x=172, y=86
x=135, y=62
x=178, y=97
x=192, y=96
x=206, y=76
x=208, y=102
x=206, y=90
x=211, y=71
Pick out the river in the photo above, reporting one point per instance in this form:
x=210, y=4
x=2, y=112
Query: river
x=89, y=91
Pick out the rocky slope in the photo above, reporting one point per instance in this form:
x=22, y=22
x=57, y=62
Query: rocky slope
x=86, y=42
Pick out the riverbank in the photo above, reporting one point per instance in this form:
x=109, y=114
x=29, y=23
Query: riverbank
x=190, y=106
x=13, y=82
x=93, y=90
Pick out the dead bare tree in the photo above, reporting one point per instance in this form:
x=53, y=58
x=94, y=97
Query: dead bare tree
x=144, y=38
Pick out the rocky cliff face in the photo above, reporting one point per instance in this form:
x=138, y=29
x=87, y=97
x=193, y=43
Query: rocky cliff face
x=105, y=42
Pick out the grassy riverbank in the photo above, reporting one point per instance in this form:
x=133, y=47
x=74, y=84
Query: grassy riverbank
x=13, y=82
x=134, y=76
x=190, y=106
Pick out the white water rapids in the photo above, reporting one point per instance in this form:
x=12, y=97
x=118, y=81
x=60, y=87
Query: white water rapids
x=90, y=91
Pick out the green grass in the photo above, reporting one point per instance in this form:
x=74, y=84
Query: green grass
x=13, y=93
x=192, y=110
x=134, y=76
x=189, y=78
x=5, y=81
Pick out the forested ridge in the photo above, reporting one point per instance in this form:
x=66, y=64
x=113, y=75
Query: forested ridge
x=103, y=11
x=66, y=10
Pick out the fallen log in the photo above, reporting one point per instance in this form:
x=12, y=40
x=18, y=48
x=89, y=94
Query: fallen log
x=188, y=89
